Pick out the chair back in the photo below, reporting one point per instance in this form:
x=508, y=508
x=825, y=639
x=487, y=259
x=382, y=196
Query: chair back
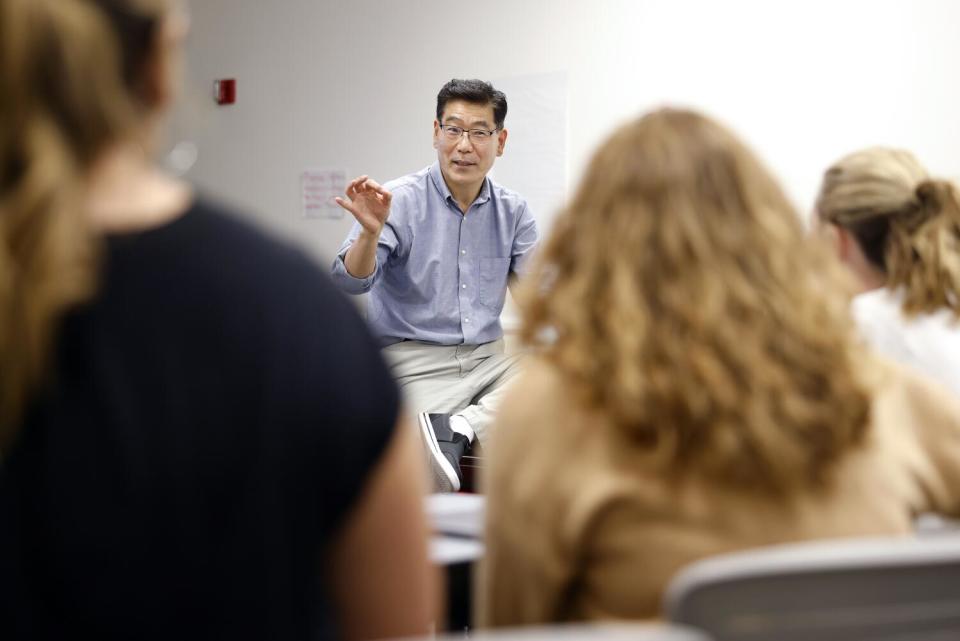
x=581, y=632
x=852, y=589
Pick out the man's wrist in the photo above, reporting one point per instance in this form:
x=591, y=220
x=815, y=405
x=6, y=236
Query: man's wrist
x=369, y=236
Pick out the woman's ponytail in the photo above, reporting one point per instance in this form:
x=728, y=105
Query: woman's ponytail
x=63, y=100
x=907, y=224
x=923, y=252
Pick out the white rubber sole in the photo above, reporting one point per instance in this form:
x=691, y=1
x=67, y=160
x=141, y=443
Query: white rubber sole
x=444, y=477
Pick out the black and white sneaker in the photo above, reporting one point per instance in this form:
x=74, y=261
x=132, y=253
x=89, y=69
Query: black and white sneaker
x=444, y=449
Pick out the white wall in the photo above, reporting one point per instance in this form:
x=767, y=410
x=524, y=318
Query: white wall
x=352, y=83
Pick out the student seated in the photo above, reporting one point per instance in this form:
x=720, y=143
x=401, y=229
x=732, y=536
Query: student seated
x=898, y=231
x=185, y=452
x=698, y=389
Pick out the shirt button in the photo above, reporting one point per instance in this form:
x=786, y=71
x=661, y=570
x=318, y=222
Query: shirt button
x=463, y=252
x=464, y=286
x=466, y=320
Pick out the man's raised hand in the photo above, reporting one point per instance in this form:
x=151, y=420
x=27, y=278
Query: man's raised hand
x=368, y=202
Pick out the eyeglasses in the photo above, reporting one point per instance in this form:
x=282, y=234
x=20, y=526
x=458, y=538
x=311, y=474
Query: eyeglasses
x=477, y=136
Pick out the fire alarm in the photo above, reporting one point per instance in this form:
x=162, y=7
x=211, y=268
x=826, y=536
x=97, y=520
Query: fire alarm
x=225, y=91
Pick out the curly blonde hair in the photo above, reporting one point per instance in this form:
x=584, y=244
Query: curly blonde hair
x=679, y=296
x=907, y=223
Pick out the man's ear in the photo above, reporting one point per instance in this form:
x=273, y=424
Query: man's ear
x=501, y=141
x=436, y=134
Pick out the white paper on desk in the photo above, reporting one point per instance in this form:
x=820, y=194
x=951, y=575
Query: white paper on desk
x=447, y=550
x=460, y=514
x=318, y=188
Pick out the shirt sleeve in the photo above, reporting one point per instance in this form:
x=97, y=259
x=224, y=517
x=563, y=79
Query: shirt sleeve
x=386, y=246
x=524, y=242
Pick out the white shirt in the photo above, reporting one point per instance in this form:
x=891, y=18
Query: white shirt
x=929, y=343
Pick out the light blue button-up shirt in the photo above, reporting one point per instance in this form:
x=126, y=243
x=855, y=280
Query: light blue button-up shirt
x=441, y=275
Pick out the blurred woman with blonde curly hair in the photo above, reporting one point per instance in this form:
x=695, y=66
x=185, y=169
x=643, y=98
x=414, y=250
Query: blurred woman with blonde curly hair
x=698, y=389
x=897, y=229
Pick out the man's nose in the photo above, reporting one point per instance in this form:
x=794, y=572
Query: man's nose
x=464, y=143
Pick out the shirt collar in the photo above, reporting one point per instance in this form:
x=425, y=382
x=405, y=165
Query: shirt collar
x=441, y=185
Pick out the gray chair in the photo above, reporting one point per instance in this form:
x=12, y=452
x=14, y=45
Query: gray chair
x=851, y=589
x=580, y=632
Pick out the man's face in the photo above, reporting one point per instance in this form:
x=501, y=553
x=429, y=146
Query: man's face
x=466, y=160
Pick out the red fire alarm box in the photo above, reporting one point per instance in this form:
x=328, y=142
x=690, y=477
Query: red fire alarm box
x=225, y=91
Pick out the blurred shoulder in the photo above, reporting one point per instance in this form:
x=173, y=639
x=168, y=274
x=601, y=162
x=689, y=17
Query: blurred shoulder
x=223, y=229
x=539, y=390
x=901, y=391
x=222, y=249
x=539, y=419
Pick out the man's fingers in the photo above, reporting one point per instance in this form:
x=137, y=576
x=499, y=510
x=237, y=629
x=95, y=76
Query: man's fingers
x=381, y=194
x=374, y=185
x=382, y=200
x=346, y=205
x=355, y=184
x=364, y=188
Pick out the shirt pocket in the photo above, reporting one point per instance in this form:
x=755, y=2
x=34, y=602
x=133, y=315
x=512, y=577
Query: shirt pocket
x=493, y=281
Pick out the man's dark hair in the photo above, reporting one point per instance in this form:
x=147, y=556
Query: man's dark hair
x=476, y=92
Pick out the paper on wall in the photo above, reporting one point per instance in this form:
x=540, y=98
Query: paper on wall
x=319, y=187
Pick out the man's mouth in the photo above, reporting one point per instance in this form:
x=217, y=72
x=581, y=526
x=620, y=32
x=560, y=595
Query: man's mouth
x=463, y=163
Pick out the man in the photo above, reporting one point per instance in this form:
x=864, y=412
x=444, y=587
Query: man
x=436, y=250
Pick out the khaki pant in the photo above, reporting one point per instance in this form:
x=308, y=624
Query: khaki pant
x=453, y=379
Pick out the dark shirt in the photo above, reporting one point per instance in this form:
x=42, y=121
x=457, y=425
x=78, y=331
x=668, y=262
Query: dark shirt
x=211, y=417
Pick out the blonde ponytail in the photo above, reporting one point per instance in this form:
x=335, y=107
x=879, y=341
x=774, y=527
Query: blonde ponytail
x=907, y=224
x=63, y=100
x=47, y=258
x=923, y=254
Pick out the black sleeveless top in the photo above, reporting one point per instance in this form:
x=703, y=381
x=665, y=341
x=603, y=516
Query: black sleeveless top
x=212, y=416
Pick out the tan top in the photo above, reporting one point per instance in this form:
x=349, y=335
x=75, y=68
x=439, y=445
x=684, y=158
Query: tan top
x=578, y=530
